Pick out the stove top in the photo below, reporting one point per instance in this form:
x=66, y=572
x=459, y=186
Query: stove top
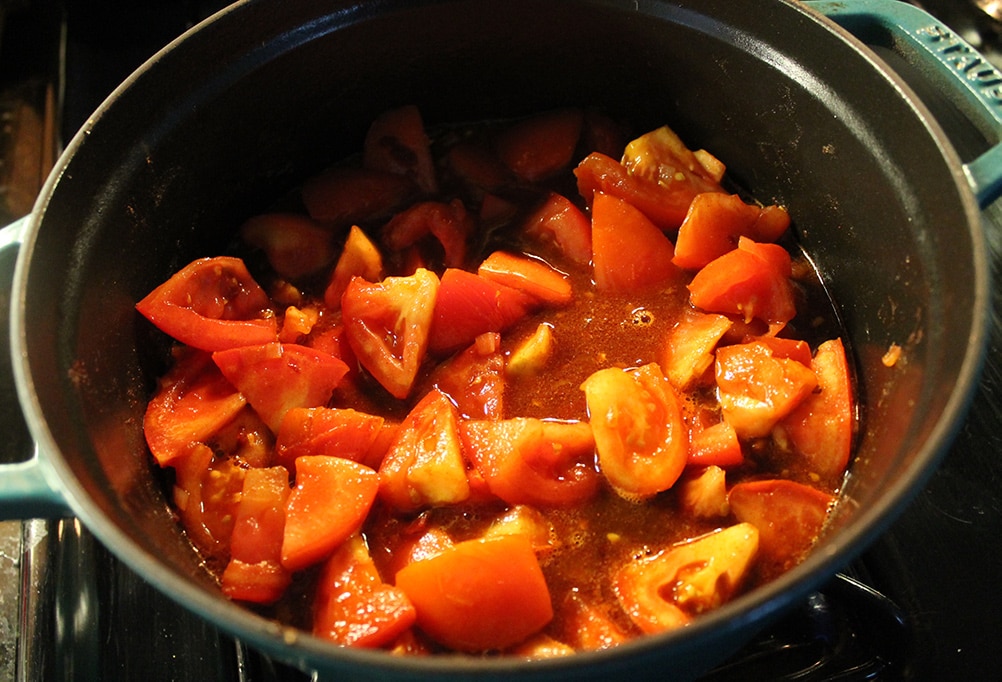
x=918, y=605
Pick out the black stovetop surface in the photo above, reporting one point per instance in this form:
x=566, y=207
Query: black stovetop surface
x=920, y=604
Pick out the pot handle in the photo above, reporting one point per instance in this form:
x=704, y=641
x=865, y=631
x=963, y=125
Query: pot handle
x=947, y=62
x=26, y=489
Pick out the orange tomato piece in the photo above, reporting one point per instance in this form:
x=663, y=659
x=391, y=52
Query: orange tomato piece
x=542, y=145
x=690, y=346
x=359, y=258
x=641, y=440
x=717, y=445
x=479, y=595
x=206, y=493
x=716, y=221
x=330, y=431
x=530, y=275
x=474, y=378
x=331, y=498
x=557, y=220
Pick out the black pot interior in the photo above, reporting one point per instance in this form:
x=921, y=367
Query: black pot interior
x=225, y=122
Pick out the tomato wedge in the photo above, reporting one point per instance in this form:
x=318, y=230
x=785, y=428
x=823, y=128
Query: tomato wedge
x=295, y=244
x=424, y=465
x=193, y=402
x=449, y=223
x=540, y=146
x=330, y=431
x=353, y=606
x=559, y=221
x=690, y=347
x=329, y=502
x=640, y=437
x=530, y=275
x=388, y=324
x=716, y=221
x=255, y=572
x=212, y=304
x=479, y=595
x=206, y=493
x=396, y=142
x=531, y=461
x=359, y=258
x=474, y=378
x=276, y=377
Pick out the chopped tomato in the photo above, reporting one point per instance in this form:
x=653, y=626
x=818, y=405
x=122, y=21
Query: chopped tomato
x=717, y=445
x=297, y=323
x=788, y=515
x=329, y=502
x=531, y=461
x=628, y=252
x=469, y=305
x=530, y=275
x=474, y=378
x=330, y=431
x=540, y=146
x=449, y=223
x=690, y=347
x=793, y=349
x=397, y=143
x=820, y=428
x=348, y=196
x=660, y=155
x=667, y=590
x=276, y=377
x=353, y=606
x=206, y=493
x=255, y=572
x=751, y=281
x=388, y=325
x=359, y=258
x=603, y=134
x=295, y=244
x=666, y=207
x=212, y=304
x=641, y=440
x=192, y=403
x=424, y=465
x=477, y=166
x=586, y=627
x=756, y=388
x=559, y=221
x=716, y=221
x=702, y=492
x=479, y=595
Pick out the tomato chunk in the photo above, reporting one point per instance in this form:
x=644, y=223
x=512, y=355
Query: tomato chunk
x=349, y=196
x=538, y=147
x=295, y=244
x=206, y=493
x=690, y=347
x=532, y=276
x=396, y=142
x=559, y=221
x=716, y=221
x=330, y=431
x=359, y=258
x=474, y=378
x=212, y=304
x=353, y=606
x=449, y=223
x=479, y=595
x=640, y=437
x=329, y=502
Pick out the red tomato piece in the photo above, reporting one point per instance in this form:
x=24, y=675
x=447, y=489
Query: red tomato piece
x=206, y=493
x=530, y=275
x=348, y=196
x=477, y=166
x=295, y=244
x=660, y=155
x=820, y=429
x=690, y=347
x=328, y=504
x=641, y=440
x=628, y=252
x=540, y=146
x=276, y=377
x=388, y=325
x=603, y=134
x=255, y=571
x=586, y=627
x=531, y=461
x=793, y=349
x=330, y=431
x=716, y=221
x=194, y=401
x=474, y=378
x=756, y=389
x=469, y=305
x=359, y=258
x=212, y=304
x=788, y=515
x=665, y=207
x=479, y=595
x=397, y=143
x=715, y=445
x=667, y=590
x=424, y=465
x=449, y=223
x=752, y=281
x=353, y=606
x=559, y=221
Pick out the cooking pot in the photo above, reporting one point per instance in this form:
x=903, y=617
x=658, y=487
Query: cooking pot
x=242, y=108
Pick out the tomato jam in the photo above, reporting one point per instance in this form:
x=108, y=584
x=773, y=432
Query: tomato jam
x=521, y=387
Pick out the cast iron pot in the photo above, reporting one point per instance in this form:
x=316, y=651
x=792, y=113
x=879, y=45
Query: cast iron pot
x=247, y=105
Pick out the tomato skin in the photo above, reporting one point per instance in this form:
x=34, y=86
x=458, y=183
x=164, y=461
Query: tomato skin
x=716, y=221
x=193, y=402
x=559, y=221
x=540, y=146
x=206, y=493
x=331, y=498
x=388, y=325
x=474, y=378
x=628, y=252
x=715, y=445
x=212, y=304
x=469, y=305
x=641, y=440
x=534, y=277
x=751, y=281
x=530, y=461
x=479, y=595
x=330, y=431
x=396, y=142
x=353, y=606
x=276, y=377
